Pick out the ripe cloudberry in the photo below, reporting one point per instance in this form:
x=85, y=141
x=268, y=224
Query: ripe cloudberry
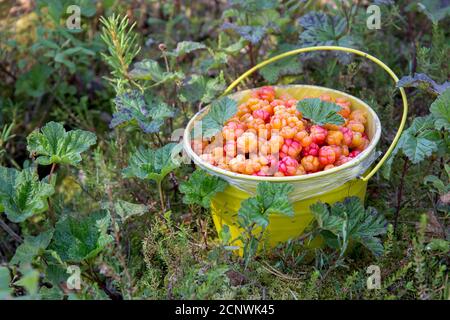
x=276, y=142
x=327, y=155
x=233, y=130
x=354, y=153
x=311, y=164
x=262, y=114
x=288, y=132
x=303, y=137
x=288, y=166
x=341, y=160
x=311, y=150
x=266, y=93
x=318, y=134
x=355, y=126
x=335, y=138
x=247, y=143
x=345, y=105
x=358, y=116
x=326, y=98
x=348, y=135
x=290, y=148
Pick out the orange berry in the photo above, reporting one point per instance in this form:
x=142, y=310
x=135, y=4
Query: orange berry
x=318, y=134
x=311, y=164
x=334, y=138
x=288, y=132
x=357, y=140
x=359, y=116
x=247, y=143
x=325, y=97
x=355, y=126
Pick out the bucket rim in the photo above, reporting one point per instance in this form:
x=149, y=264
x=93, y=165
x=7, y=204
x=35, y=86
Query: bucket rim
x=233, y=175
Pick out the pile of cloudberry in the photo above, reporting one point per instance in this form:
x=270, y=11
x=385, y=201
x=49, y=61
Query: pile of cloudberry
x=268, y=136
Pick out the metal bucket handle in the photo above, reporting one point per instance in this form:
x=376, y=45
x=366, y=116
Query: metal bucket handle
x=348, y=50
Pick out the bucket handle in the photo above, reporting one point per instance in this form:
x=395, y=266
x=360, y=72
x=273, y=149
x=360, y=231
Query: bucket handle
x=348, y=50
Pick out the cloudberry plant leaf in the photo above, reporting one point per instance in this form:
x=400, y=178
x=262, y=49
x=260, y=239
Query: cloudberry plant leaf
x=349, y=220
x=286, y=66
x=153, y=164
x=440, y=109
x=185, y=47
x=150, y=70
x=253, y=34
x=201, y=187
x=52, y=144
x=79, y=238
x=424, y=82
x=32, y=247
x=320, y=29
x=133, y=108
x=320, y=112
x=203, y=89
x=417, y=142
x=271, y=198
x=22, y=195
x=221, y=110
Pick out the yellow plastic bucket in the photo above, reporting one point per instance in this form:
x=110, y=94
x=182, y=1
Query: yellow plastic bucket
x=225, y=205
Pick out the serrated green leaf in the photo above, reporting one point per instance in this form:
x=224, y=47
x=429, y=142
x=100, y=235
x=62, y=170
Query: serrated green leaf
x=131, y=107
x=79, y=238
x=153, y=164
x=22, y=194
x=270, y=198
x=185, y=47
x=52, y=144
x=201, y=88
x=32, y=247
x=286, y=66
x=320, y=112
x=440, y=109
x=220, y=111
x=253, y=34
x=320, y=29
x=418, y=148
x=349, y=221
x=201, y=187
x=417, y=142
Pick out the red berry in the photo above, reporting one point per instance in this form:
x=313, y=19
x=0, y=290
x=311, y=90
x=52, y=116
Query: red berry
x=288, y=166
x=318, y=134
x=290, y=148
x=327, y=155
x=311, y=150
x=348, y=135
x=266, y=93
x=354, y=153
x=262, y=114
